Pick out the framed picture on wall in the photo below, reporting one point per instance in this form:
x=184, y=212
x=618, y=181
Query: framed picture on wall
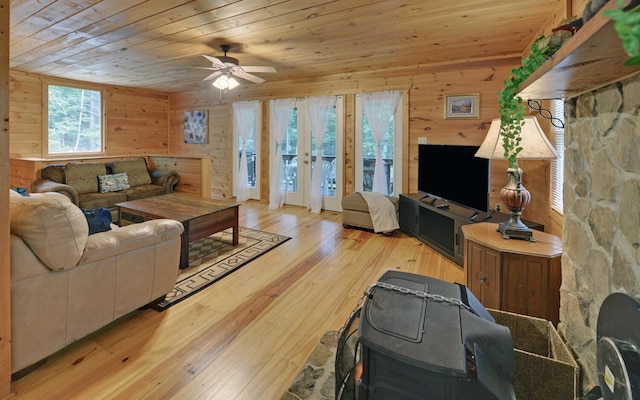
x=195, y=127
x=462, y=106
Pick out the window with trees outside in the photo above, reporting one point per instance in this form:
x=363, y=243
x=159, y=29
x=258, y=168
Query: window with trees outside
x=74, y=120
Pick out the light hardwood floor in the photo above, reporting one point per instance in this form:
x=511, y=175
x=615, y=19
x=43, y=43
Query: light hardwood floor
x=246, y=336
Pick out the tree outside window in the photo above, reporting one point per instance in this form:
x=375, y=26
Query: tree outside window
x=74, y=120
x=369, y=143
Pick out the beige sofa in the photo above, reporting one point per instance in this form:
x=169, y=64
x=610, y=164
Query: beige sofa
x=66, y=284
x=80, y=182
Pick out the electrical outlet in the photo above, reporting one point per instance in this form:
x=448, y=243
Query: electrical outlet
x=498, y=207
x=422, y=140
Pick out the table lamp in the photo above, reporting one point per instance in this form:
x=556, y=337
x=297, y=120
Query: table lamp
x=514, y=196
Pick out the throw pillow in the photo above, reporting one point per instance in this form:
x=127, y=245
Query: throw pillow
x=99, y=220
x=21, y=191
x=113, y=182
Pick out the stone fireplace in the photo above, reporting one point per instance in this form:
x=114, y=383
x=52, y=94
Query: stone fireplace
x=601, y=233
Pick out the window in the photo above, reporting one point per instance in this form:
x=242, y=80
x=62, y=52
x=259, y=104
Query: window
x=557, y=165
x=390, y=145
x=74, y=120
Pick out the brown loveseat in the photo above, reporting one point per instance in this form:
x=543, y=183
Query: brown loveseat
x=66, y=284
x=84, y=182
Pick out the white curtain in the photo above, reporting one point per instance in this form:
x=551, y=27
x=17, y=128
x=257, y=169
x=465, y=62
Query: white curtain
x=319, y=110
x=379, y=107
x=245, y=119
x=280, y=115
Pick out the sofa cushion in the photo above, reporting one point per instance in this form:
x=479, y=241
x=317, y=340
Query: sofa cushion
x=143, y=191
x=52, y=226
x=84, y=176
x=90, y=201
x=136, y=169
x=113, y=182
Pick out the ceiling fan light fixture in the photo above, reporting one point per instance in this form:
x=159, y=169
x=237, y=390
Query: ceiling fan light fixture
x=225, y=82
x=233, y=83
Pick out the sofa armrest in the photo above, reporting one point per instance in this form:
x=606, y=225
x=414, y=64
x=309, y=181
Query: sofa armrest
x=166, y=179
x=46, y=185
x=129, y=238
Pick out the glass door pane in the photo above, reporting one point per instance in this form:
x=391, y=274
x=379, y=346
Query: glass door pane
x=329, y=152
x=290, y=154
x=369, y=155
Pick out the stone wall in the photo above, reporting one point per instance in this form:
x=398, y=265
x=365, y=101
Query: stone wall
x=601, y=233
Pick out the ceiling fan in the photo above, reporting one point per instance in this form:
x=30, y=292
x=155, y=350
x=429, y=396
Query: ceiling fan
x=226, y=68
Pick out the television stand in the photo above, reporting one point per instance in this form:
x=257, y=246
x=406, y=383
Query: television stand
x=440, y=226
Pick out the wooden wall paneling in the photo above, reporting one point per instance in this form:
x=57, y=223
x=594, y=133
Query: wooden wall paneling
x=22, y=172
x=537, y=174
x=428, y=104
x=562, y=10
x=218, y=148
x=136, y=121
x=405, y=140
x=578, y=6
x=25, y=116
x=5, y=259
x=349, y=144
x=221, y=152
x=195, y=172
x=556, y=14
x=267, y=150
x=498, y=180
x=556, y=222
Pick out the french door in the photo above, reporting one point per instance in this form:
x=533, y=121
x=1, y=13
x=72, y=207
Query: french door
x=299, y=158
x=250, y=144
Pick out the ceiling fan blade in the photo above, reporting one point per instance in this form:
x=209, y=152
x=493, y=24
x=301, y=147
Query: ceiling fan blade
x=259, y=68
x=213, y=76
x=215, y=61
x=241, y=74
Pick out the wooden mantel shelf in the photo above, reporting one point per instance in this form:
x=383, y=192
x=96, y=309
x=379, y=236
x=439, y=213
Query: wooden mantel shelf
x=591, y=59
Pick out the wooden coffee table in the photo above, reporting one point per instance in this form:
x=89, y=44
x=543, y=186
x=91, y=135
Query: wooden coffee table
x=200, y=217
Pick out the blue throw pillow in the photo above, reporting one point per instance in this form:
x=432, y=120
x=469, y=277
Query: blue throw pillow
x=99, y=220
x=22, y=191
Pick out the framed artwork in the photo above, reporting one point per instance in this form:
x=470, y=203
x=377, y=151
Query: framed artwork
x=195, y=127
x=462, y=106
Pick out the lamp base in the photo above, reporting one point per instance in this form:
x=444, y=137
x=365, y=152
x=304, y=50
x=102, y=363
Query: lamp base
x=515, y=197
x=515, y=232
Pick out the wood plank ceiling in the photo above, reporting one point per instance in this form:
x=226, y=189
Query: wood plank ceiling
x=156, y=44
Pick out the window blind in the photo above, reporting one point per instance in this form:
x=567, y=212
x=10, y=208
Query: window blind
x=557, y=165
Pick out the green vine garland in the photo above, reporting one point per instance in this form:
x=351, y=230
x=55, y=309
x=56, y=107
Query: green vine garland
x=512, y=110
x=627, y=25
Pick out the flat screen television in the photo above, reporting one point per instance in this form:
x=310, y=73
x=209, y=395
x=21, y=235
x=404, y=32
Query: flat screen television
x=452, y=173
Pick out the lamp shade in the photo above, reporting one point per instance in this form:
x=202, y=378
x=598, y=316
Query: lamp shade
x=534, y=143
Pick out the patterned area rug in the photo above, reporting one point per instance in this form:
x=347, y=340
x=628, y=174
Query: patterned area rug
x=213, y=257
